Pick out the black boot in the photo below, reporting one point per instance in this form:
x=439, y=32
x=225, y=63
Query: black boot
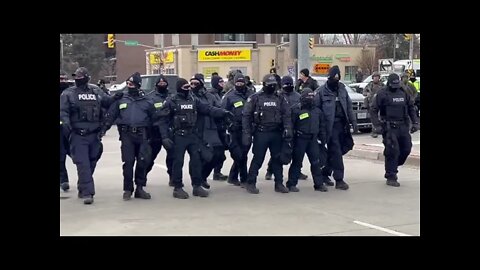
x=142, y=194
x=327, y=181
x=127, y=195
x=303, y=176
x=293, y=189
x=88, y=199
x=321, y=188
x=219, y=177
x=199, y=191
x=279, y=187
x=268, y=176
x=393, y=183
x=179, y=193
x=65, y=186
x=206, y=185
x=251, y=188
x=170, y=182
x=234, y=182
x=341, y=185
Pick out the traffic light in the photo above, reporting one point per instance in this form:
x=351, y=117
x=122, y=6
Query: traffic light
x=407, y=36
x=310, y=43
x=111, y=41
x=273, y=63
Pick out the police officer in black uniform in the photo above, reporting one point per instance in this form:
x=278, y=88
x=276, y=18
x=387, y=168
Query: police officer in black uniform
x=135, y=115
x=180, y=117
x=308, y=128
x=81, y=117
x=396, y=110
x=211, y=147
x=293, y=97
x=158, y=98
x=332, y=98
x=216, y=91
x=267, y=117
x=234, y=101
x=64, y=145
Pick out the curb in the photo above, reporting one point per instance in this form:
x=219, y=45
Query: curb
x=412, y=160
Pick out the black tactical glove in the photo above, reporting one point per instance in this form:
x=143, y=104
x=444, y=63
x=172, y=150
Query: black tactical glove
x=415, y=128
x=288, y=134
x=378, y=129
x=118, y=95
x=246, y=139
x=167, y=143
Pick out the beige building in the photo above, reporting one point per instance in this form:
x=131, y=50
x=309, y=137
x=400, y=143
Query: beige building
x=253, y=54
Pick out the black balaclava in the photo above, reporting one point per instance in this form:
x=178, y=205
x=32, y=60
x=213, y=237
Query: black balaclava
x=334, y=77
x=81, y=72
x=136, y=79
x=306, y=98
x=215, y=83
x=240, y=78
x=287, y=84
x=181, y=82
x=393, y=82
x=269, y=84
x=161, y=89
x=199, y=77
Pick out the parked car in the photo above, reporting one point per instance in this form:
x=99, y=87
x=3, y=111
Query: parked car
x=358, y=87
x=363, y=116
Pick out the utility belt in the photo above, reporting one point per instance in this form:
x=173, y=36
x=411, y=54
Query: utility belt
x=134, y=130
x=261, y=128
x=183, y=131
x=395, y=124
x=302, y=135
x=85, y=132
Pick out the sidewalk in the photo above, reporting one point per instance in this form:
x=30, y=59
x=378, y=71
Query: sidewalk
x=375, y=152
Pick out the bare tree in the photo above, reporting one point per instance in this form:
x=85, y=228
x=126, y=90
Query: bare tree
x=367, y=60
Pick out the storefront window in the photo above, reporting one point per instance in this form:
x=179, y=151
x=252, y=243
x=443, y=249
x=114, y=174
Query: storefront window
x=350, y=73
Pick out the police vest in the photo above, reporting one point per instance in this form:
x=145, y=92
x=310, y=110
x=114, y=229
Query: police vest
x=307, y=122
x=395, y=106
x=267, y=111
x=185, y=113
x=86, y=106
x=134, y=112
x=237, y=102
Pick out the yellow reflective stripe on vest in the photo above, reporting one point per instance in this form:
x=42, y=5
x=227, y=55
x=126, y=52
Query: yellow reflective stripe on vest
x=158, y=105
x=122, y=106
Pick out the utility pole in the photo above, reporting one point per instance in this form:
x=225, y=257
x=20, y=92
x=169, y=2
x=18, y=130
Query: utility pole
x=394, y=46
x=61, y=53
x=411, y=49
x=303, y=53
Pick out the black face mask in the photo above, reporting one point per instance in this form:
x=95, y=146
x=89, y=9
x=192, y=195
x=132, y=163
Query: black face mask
x=332, y=83
x=64, y=85
x=197, y=88
x=306, y=102
x=219, y=88
x=288, y=88
x=81, y=82
x=240, y=88
x=161, y=89
x=392, y=89
x=133, y=91
x=269, y=89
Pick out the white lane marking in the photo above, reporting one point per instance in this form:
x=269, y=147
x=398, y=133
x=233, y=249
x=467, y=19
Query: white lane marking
x=380, y=228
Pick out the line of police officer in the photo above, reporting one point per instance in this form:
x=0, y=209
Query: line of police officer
x=193, y=120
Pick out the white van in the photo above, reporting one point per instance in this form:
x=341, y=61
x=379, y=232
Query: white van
x=400, y=66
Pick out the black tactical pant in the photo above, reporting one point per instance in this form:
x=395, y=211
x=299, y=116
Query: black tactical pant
x=334, y=153
x=182, y=143
x=156, y=146
x=135, y=149
x=261, y=141
x=218, y=157
x=398, y=144
x=302, y=145
x=239, y=159
x=85, y=151
x=64, y=151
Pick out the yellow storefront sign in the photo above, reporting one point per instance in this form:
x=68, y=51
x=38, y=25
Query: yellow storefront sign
x=154, y=58
x=224, y=55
